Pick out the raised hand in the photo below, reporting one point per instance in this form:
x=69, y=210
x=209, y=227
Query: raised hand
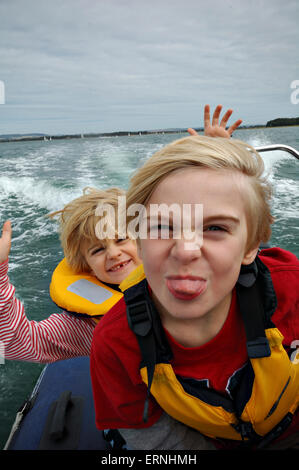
x=5, y=241
x=215, y=129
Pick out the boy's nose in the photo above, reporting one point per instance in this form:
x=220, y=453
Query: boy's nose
x=185, y=250
x=113, y=251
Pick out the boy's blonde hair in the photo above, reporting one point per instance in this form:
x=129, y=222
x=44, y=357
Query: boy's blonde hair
x=216, y=154
x=78, y=222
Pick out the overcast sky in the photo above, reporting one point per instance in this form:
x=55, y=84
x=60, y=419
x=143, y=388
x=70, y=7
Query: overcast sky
x=73, y=66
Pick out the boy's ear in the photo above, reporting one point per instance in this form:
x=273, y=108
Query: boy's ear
x=250, y=255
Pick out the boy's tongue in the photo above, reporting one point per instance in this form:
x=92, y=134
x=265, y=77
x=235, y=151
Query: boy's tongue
x=186, y=286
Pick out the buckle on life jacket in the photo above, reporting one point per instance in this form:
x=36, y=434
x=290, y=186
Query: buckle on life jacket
x=139, y=317
x=253, y=439
x=276, y=432
x=247, y=432
x=258, y=348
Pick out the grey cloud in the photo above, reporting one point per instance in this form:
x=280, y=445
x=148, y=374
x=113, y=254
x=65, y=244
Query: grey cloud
x=136, y=64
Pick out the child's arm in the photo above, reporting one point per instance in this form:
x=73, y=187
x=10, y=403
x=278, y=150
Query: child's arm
x=60, y=336
x=215, y=129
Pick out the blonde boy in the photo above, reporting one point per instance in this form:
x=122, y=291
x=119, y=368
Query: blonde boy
x=200, y=321
x=64, y=335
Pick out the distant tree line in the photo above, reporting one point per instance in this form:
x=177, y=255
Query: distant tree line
x=283, y=122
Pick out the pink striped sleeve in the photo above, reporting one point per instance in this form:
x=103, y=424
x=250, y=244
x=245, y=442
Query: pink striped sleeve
x=60, y=336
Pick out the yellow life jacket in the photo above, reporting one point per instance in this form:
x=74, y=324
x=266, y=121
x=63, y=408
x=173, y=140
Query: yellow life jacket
x=81, y=294
x=268, y=393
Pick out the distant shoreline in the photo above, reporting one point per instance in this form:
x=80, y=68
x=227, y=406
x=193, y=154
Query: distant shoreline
x=47, y=137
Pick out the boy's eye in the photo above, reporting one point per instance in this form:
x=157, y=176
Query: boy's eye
x=97, y=250
x=120, y=240
x=215, y=228
x=164, y=227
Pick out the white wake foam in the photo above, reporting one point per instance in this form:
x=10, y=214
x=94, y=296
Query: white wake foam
x=37, y=192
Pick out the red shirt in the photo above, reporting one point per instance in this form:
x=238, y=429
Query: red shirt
x=119, y=392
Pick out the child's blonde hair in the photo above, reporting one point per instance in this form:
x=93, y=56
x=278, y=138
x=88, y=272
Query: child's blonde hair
x=78, y=222
x=216, y=154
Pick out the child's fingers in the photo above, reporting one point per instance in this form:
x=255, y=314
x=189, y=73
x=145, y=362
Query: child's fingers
x=192, y=131
x=6, y=229
x=5, y=241
x=234, y=126
x=206, y=116
x=6, y=232
x=226, y=117
x=216, y=114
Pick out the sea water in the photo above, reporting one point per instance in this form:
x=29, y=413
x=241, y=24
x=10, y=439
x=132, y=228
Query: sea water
x=42, y=176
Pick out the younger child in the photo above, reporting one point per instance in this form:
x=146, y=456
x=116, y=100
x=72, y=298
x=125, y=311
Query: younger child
x=199, y=347
x=64, y=335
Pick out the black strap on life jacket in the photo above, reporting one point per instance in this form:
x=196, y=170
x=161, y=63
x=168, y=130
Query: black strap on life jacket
x=145, y=322
x=140, y=322
x=252, y=311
